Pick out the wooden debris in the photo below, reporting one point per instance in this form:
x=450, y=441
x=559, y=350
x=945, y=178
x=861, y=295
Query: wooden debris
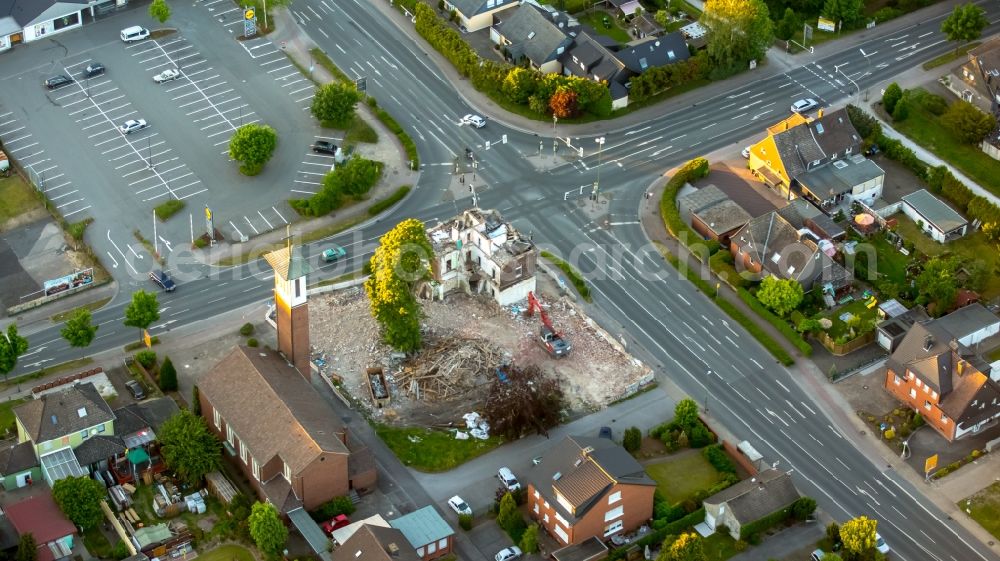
x=447, y=368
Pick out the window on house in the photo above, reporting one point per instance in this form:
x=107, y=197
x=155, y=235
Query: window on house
x=216, y=419
x=447, y=265
x=84, y=434
x=536, y=508
x=561, y=520
x=536, y=494
x=896, y=380
x=562, y=534
x=243, y=452
x=614, y=527
x=431, y=548
x=614, y=497
x=927, y=389
x=944, y=419
x=614, y=513
x=546, y=517
x=442, y=543
x=919, y=383
x=420, y=552
x=519, y=270
x=101, y=429
x=229, y=435
x=934, y=395
x=927, y=405
x=298, y=288
x=913, y=392
x=287, y=472
x=256, y=470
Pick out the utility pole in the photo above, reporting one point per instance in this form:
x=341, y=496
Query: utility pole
x=156, y=245
x=597, y=184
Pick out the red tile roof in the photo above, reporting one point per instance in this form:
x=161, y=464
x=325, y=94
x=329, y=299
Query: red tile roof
x=41, y=517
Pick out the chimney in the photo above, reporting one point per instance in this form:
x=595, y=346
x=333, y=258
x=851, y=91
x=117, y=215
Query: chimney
x=393, y=549
x=953, y=345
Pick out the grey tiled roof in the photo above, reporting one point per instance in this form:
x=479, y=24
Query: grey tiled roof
x=818, y=139
x=588, y=58
x=17, y=458
x=840, y=177
x=58, y=414
x=937, y=213
x=97, y=448
x=752, y=499
x=964, y=321
x=724, y=216
x=532, y=34
x=655, y=52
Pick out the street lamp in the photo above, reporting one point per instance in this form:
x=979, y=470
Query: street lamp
x=868, y=57
x=555, y=120
x=600, y=147
x=836, y=68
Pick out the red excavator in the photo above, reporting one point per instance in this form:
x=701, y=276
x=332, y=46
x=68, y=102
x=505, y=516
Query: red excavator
x=550, y=339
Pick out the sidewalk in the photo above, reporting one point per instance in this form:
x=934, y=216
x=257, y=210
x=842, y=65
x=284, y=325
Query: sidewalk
x=37, y=319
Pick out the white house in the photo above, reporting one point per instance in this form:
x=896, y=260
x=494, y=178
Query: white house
x=935, y=218
x=24, y=21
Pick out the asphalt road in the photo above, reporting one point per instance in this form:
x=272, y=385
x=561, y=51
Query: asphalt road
x=669, y=323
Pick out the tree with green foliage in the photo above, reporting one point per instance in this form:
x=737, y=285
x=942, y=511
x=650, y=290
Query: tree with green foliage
x=79, y=329
x=858, y=535
x=740, y=31
x=27, y=548
x=967, y=122
x=159, y=10
x=662, y=17
x=334, y=104
x=938, y=284
x=519, y=84
x=686, y=412
x=891, y=96
x=399, y=263
x=189, y=447
x=781, y=295
x=507, y=515
x=168, y=376
x=847, y=13
x=529, y=540
x=787, y=26
x=253, y=145
x=830, y=556
x=142, y=311
x=902, y=109
x=79, y=498
x=966, y=23
x=12, y=346
x=267, y=530
x=632, y=439
x=803, y=508
x=686, y=547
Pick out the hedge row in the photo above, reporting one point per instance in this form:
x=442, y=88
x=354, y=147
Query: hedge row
x=764, y=524
x=716, y=455
x=574, y=276
x=404, y=139
x=656, y=537
x=781, y=325
x=691, y=171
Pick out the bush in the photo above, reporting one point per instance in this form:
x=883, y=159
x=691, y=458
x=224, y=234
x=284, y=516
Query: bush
x=934, y=104
x=886, y=14
x=120, y=551
x=656, y=537
x=893, y=93
x=716, y=455
x=803, y=508
x=168, y=209
x=253, y=145
x=465, y=521
x=632, y=439
x=781, y=325
x=196, y=401
x=387, y=202
x=247, y=329
x=251, y=342
x=691, y=171
x=529, y=540
x=77, y=229
x=333, y=507
x=146, y=358
x=168, y=376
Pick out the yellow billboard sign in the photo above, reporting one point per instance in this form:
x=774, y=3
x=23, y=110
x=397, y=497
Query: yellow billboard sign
x=930, y=463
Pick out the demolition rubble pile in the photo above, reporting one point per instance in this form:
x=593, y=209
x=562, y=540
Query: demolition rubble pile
x=447, y=368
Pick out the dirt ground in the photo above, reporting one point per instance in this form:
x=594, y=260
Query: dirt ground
x=346, y=338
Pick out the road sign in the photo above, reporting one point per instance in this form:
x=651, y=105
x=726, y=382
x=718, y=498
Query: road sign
x=503, y=139
x=487, y=144
x=146, y=338
x=250, y=26
x=248, y=14
x=361, y=85
x=930, y=463
x=209, y=225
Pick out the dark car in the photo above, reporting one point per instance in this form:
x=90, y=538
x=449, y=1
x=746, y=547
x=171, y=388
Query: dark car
x=605, y=432
x=324, y=147
x=58, y=81
x=162, y=279
x=135, y=388
x=93, y=69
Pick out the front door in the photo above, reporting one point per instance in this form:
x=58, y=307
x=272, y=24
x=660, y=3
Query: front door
x=16, y=38
x=23, y=479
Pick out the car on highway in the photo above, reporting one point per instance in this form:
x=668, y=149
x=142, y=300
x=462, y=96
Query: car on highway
x=458, y=505
x=334, y=254
x=880, y=544
x=474, y=121
x=167, y=75
x=132, y=125
x=508, y=554
x=804, y=105
x=163, y=279
x=58, y=81
x=93, y=69
x=507, y=478
x=324, y=147
x=135, y=388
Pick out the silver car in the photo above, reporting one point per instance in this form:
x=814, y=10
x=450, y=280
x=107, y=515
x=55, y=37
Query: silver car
x=804, y=105
x=132, y=125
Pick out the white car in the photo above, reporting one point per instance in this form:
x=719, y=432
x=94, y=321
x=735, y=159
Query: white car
x=507, y=478
x=167, y=75
x=803, y=105
x=458, y=505
x=474, y=121
x=508, y=554
x=746, y=152
x=880, y=544
x=132, y=125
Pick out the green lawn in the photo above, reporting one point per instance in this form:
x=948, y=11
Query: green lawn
x=719, y=546
x=927, y=130
x=973, y=247
x=7, y=414
x=910, y=232
x=16, y=198
x=950, y=56
x=595, y=19
x=856, y=308
x=571, y=6
x=985, y=507
x=227, y=553
x=97, y=543
x=95, y=305
x=433, y=450
x=886, y=261
x=678, y=479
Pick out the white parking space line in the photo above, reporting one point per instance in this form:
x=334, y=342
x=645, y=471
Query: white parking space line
x=251, y=225
x=279, y=215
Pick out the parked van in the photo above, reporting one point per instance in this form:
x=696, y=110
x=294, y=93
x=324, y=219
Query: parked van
x=134, y=33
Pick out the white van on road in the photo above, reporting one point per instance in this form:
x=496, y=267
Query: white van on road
x=134, y=33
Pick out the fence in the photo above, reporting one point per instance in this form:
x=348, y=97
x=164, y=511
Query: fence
x=841, y=349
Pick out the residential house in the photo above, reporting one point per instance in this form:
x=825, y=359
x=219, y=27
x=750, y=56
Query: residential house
x=58, y=422
x=534, y=34
x=772, y=244
x=40, y=517
x=624, y=8
x=944, y=380
x=844, y=181
x=645, y=25
x=426, y=532
x=891, y=330
x=474, y=15
x=654, y=52
x=280, y=432
x=479, y=252
x=799, y=144
x=977, y=81
x=938, y=220
x=712, y=214
x=375, y=543
x=588, y=487
x=342, y=534
x=588, y=57
x=750, y=500
x=24, y=21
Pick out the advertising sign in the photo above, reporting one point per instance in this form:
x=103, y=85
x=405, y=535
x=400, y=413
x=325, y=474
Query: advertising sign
x=826, y=25
x=79, y=278
x=930, y=463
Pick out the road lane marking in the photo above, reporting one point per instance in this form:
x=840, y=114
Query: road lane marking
x=777, y=381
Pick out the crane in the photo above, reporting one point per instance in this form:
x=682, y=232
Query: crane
x=550, y=339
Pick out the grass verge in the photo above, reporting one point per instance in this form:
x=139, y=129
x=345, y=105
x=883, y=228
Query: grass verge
x=772, y=346
x=781, y=325
x=359, y=131
x=136, y=345
x=574, y=276
x=387, y=202
x=985, y=508
x=326, y=62
x=341, y=278
x=408, y=145
x=950, y=56
x=680, y=478
x=95, y=305
x=432, y=450
x=168, y=209
x=18, y=198
x=149, y=247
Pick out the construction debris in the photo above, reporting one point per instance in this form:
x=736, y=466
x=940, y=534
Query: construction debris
x=447, y=368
